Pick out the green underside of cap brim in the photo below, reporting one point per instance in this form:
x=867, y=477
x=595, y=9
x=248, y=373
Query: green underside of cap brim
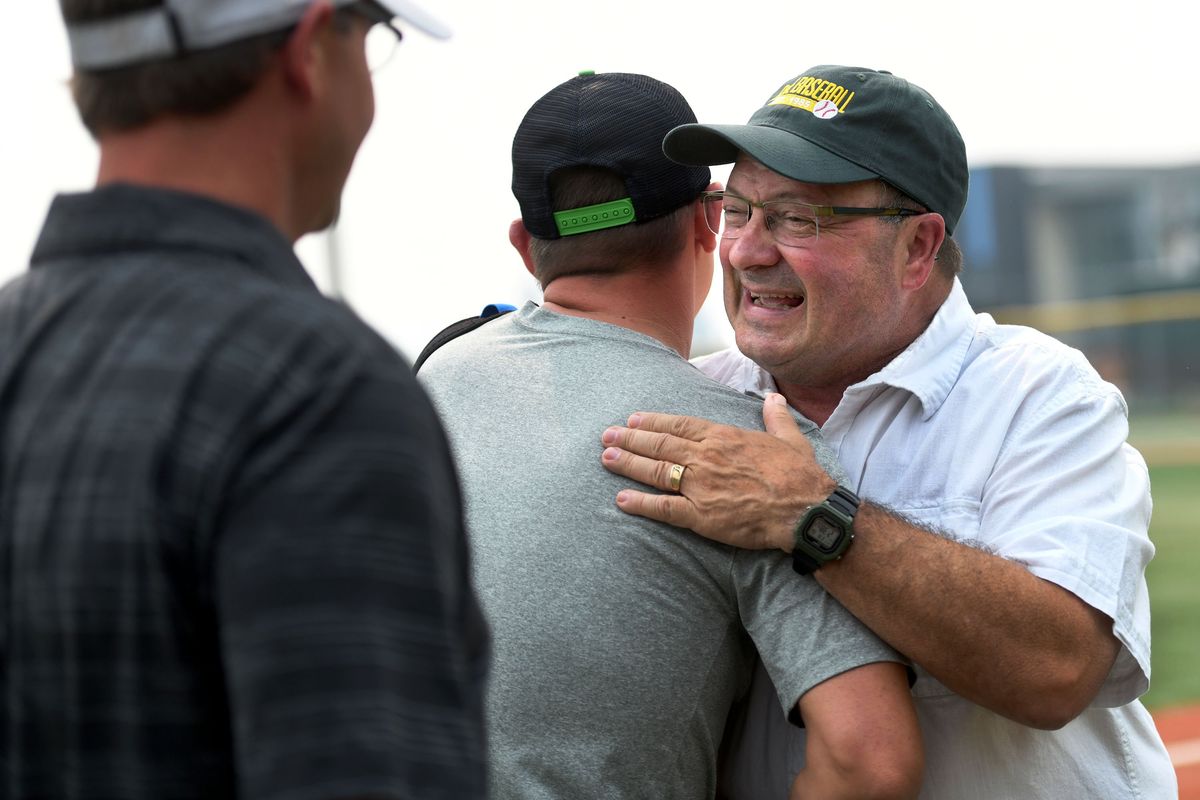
x=780, y=151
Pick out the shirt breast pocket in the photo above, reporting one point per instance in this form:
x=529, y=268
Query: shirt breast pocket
x=957, y=519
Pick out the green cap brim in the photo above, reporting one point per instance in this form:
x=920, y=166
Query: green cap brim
x=780, y=151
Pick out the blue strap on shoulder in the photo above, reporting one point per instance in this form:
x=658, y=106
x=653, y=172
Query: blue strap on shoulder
x=456, y=329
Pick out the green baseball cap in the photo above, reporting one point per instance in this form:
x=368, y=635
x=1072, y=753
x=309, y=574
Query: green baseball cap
x=834, y=124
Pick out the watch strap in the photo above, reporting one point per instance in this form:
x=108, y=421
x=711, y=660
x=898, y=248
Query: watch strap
x=844, y=501
x=803, y=563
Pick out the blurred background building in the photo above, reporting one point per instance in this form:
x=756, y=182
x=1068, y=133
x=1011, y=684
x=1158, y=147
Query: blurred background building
x=1106, y=259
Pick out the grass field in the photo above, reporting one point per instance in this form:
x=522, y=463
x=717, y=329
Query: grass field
x=1174, y=579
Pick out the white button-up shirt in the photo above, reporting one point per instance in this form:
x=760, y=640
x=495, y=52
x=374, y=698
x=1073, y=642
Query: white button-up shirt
x=1001, y=436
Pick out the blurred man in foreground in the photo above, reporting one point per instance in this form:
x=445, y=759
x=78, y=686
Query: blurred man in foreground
x=230, y=532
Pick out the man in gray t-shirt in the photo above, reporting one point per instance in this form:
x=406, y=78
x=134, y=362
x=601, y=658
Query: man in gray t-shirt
x=620, y=644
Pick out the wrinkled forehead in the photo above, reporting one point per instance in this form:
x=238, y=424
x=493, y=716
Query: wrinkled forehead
x=751, y=179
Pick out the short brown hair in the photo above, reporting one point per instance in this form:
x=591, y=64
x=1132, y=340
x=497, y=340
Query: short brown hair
x=197, y=83
x=639, y=245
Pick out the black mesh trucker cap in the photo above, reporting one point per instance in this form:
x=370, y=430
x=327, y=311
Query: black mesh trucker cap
x=180, y=26
x=613, y=120
x=835, y=124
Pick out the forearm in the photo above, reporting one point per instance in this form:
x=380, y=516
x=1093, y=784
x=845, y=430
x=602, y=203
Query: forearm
x=984, y=626
x=863, y=739
x=823, y=781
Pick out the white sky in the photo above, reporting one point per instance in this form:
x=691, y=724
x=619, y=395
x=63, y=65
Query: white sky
x=423, y=239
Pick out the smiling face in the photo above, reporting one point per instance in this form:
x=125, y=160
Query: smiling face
x=828, y=314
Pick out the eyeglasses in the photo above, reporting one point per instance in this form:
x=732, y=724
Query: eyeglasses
x=382, y=36
x=791, y=224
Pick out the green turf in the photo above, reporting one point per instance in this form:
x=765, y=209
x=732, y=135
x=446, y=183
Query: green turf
x=1174, y=579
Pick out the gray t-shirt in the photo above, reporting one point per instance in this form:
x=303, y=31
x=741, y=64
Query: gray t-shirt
x=619, y=643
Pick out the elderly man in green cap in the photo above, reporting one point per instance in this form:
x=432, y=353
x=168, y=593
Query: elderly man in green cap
x=993, y=526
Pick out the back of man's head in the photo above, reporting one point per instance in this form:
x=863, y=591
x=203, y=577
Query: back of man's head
x=138, y=60
x=595, y=189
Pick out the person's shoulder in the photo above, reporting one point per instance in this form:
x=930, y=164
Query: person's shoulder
x=292, y=344
x=693, y=393
x=324, y=322
x=468, y=344
x=1019, y=355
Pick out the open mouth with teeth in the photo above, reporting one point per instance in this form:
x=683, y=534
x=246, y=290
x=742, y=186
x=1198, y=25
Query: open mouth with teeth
x=776, y=301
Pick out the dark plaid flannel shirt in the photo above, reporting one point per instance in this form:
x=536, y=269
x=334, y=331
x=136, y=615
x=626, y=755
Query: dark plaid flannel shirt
x=232, y=555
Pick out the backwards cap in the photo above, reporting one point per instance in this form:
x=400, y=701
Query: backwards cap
x=835, y=124
x=181, y=26
x=615, y=121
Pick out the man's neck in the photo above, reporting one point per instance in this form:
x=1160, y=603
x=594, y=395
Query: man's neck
x=212, y=158
x=818, y=402
x=651, y=304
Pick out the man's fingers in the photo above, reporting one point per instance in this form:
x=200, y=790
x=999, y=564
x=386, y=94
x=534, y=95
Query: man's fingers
x=661, y=446
x=650, y=471
x=777, y=419
x=672, y=509
x=692, y=428
x=779, y=422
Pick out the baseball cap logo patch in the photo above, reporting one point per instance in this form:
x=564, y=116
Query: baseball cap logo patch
x=824, y=99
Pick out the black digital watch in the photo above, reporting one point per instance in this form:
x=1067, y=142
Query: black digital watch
x=825, y=531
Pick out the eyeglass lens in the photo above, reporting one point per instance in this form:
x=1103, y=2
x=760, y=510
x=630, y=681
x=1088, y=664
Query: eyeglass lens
x=789, y=223
x=381, y=44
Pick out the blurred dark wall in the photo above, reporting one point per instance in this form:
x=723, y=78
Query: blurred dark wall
x=1106, y=259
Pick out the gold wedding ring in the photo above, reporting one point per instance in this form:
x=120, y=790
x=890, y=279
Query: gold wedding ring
x=676, y=476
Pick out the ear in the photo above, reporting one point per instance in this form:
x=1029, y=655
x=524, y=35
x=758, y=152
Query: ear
x=302, y=55
x=518, y=237
x=705, y=248
x=705, y=238
x=925, y=238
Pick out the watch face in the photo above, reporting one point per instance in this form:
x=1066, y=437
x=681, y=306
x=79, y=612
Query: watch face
x=823, y=534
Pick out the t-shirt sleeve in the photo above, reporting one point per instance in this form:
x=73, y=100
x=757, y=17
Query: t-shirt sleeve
x=803, y=635
x=353, y=647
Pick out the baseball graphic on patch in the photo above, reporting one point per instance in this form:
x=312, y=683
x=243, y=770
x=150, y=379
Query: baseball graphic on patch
x=826, y=109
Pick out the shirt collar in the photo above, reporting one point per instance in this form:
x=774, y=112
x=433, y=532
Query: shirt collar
x=124, y=218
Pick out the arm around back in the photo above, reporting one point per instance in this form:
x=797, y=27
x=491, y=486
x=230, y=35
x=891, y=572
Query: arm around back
x=863, y=738
x=989, y=628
